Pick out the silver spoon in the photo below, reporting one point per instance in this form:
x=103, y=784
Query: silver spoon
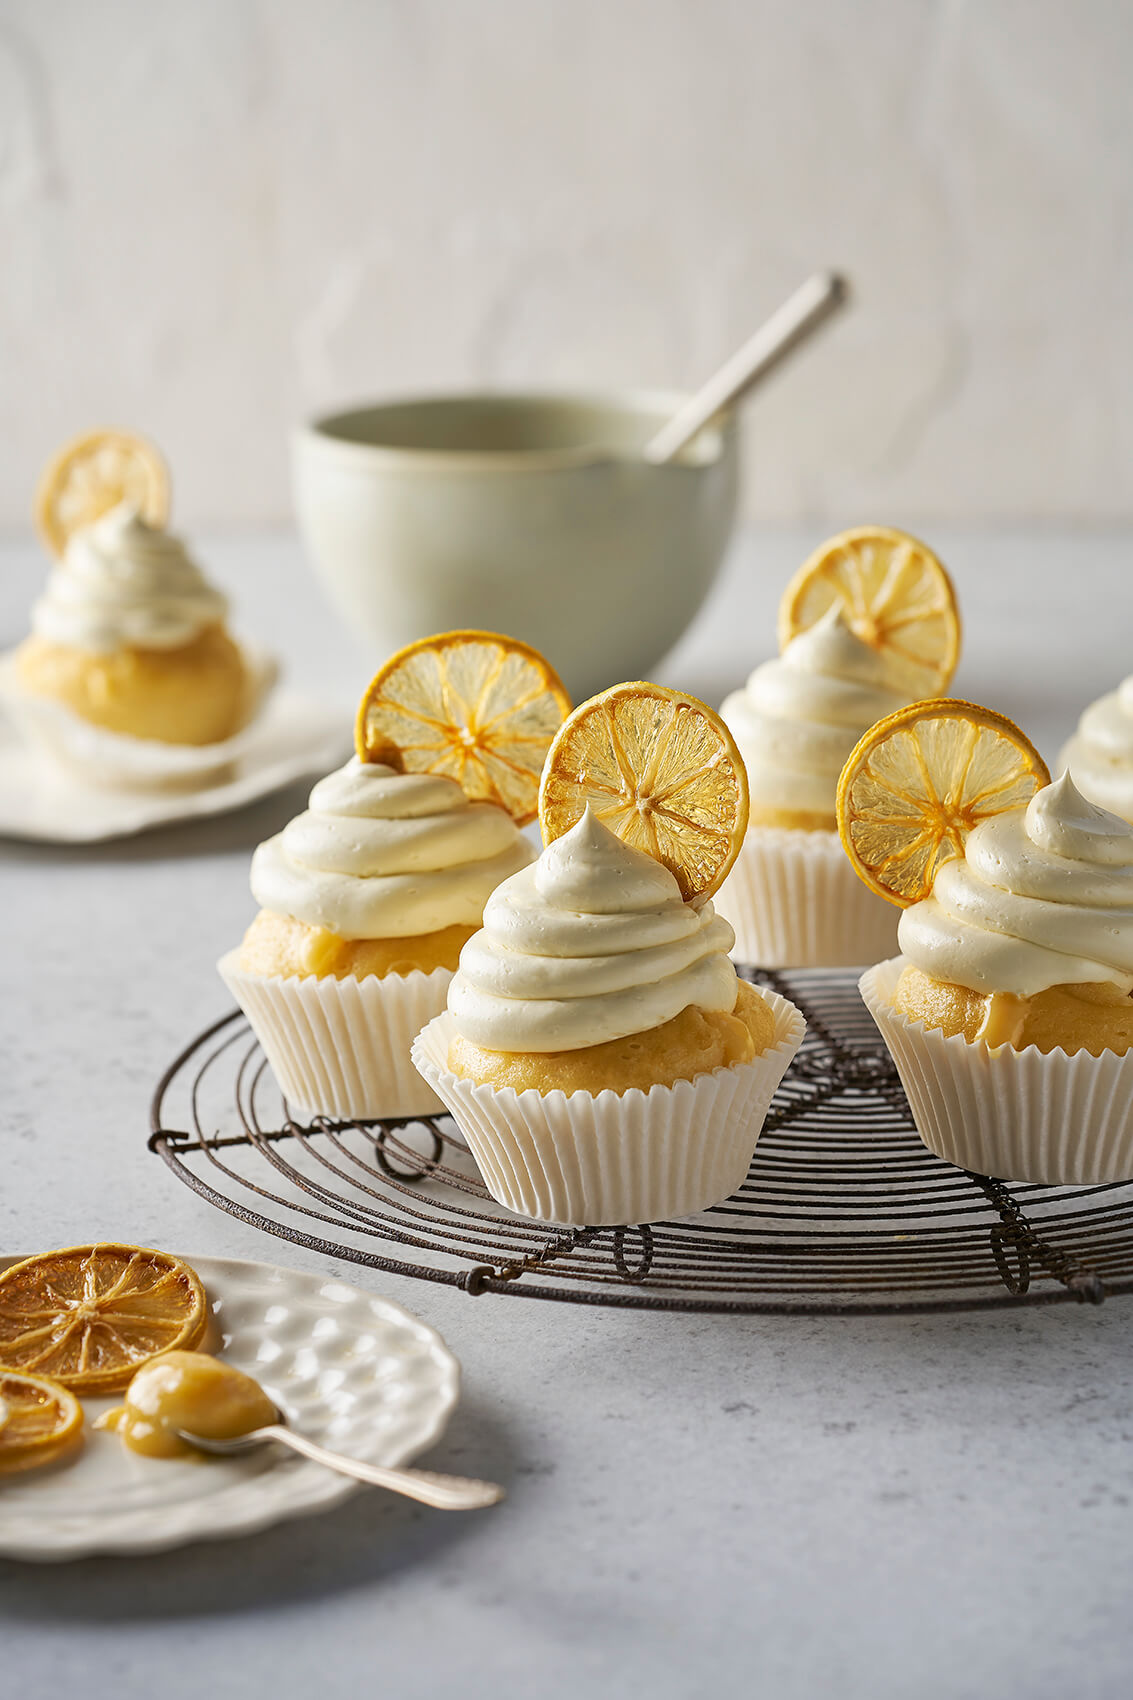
x=446, y=1493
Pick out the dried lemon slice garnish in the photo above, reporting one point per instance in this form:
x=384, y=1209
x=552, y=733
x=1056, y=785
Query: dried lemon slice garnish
x=475, y=706
x=893, y=593
x=93, y=474
x=89, y=1316
x=920, y=780
x=39, y=1420
x=661, y=770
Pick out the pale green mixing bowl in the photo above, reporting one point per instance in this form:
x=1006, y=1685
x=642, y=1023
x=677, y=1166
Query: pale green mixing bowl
x=534, y=515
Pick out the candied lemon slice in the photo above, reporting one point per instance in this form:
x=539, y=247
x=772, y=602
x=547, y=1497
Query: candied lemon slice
x=93, y=474
x=39, y=1420
x=475, y=706
x=894, y=594
x=661, y=770
x=920, y=780
x=89, y=1316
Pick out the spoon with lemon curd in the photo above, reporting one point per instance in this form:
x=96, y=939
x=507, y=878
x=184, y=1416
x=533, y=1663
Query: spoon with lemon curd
x=188, y=1401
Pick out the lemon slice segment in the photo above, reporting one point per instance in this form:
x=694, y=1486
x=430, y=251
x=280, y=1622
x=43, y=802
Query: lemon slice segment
x=39, y=1420
x=919, y=781
x=93, y=474
x=894, y=593
x=89, y=1316
x=476, y=706
x=660, y=769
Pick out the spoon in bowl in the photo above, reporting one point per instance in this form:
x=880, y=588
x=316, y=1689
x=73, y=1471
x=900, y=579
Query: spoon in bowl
x=446, y=1493
x=787, y=329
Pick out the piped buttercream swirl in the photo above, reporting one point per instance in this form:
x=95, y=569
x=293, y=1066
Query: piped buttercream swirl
x=1042, y=897
x=799, y=716
x=379, y=854
x=1100, y=754
x=592, y=943
x=124, y=584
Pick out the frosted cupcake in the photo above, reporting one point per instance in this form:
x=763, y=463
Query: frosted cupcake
x=1008, y=1013
x=1100, y=755
x=599, y=1053
x=130, y=670
x=131, y=636
x=868, y=625
x=367, y=897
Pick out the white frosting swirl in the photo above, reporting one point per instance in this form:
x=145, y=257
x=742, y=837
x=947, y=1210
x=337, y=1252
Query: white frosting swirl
x=1100, y=755
x=592, y=943
x=799, y=716
x=125, y=584
x=1041, y=897
x=380, y=854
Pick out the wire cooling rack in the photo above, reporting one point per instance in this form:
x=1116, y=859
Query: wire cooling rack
x=843, y=1209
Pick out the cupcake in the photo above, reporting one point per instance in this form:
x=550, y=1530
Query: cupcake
x=130, y=671
x=367, y=897
x=598, y=1051
x=868, y=625
x=1008, y=1013
x=1100, y=755
x=130, y=635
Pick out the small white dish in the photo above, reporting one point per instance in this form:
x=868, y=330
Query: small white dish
x=41, y=800
x=350, y=1369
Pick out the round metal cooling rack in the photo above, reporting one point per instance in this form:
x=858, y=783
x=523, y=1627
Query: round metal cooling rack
x=843, y=1209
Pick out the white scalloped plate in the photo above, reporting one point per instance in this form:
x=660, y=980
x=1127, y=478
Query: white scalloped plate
x=41, y=800
x=350, y=1369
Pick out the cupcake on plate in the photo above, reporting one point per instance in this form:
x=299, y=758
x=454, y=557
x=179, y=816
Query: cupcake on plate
x=598, y=1052
x=1100, y=754
x=1008, y=1013
x=130, y=671
x=367, y=897
x=868, y=624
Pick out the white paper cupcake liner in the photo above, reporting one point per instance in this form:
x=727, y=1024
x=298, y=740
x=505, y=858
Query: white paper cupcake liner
x=795, y=902
x=341, y=1048
x=101, y=757
x=586, y=1158
x=1028, y=1115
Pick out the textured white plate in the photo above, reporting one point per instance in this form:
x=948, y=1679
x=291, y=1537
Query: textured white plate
x=351, y=1370
x=293, y=736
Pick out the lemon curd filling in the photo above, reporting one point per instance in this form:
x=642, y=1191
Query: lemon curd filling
x=1092, y=1018
x=187, y=1390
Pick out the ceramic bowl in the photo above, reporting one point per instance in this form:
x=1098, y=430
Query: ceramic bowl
x=534, y=515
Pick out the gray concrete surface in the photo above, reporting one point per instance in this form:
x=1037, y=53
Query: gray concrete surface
x=863, y=1509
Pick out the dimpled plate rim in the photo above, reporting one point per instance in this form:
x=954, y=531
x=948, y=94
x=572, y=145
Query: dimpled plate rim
x=272, y=1322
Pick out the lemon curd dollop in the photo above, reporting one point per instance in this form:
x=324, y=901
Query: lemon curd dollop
x=187, y=1390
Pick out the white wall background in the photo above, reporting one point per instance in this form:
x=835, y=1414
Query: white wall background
x=217, y=215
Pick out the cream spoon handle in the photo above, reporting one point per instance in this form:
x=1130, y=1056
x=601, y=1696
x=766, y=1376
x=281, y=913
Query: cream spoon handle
x=787, y=329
